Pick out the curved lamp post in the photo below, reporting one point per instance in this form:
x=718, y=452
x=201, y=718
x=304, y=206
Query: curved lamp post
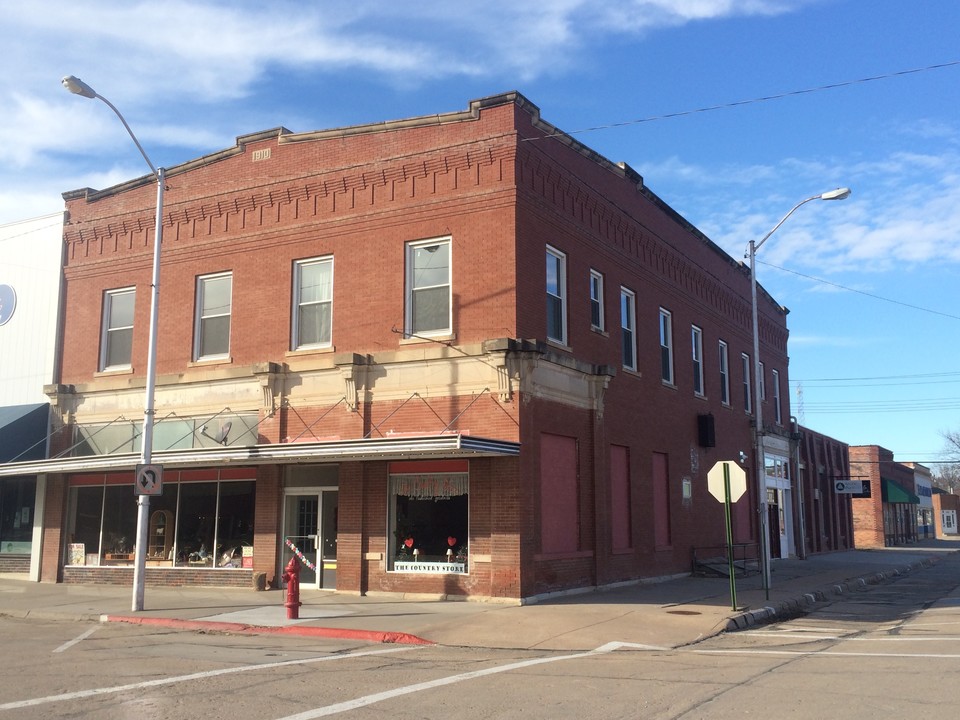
x=78, y=87
x=838, y=194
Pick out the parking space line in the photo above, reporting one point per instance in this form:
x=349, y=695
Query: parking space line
x=92, y=692
x=71, y=643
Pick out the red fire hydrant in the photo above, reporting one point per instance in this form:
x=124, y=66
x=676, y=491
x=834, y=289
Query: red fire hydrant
x=291, y=576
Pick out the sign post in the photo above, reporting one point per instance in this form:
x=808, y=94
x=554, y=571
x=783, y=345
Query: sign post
x=727, y=482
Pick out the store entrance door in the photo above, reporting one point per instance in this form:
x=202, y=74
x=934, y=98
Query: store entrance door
x=310, y=532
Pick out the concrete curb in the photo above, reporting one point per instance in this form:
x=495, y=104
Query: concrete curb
x=786, y=609
x=371, y=636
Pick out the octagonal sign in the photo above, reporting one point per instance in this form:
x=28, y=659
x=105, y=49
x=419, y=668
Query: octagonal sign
x=738, y=480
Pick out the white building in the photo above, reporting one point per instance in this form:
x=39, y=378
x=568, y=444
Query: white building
x=30, y=272
x=30, y=261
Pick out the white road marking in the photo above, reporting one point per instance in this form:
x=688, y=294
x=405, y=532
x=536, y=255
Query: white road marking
x=450, y=680
x=16, y=705
x=71, y=643
x=833, y=653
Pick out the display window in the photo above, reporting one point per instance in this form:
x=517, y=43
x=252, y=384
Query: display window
x=197, y=524
x=429, y=517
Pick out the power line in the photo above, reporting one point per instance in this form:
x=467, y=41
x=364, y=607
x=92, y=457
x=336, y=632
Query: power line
x=752, y=101
x=861, y=292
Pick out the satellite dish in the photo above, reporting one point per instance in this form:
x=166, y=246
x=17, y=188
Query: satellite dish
x=221, y=436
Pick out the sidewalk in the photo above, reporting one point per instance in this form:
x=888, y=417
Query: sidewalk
x=666, y=614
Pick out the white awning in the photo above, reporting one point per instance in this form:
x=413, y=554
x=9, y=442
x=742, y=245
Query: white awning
x=390, y=448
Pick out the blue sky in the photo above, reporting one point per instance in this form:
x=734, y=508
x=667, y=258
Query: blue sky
x=870, y=281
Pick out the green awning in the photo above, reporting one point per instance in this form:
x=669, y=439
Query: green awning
x=894, y=493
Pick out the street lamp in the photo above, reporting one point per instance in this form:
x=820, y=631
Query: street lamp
x=838, y=194
x=78, y=87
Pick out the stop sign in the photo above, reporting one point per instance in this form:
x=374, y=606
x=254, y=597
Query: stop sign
x=738, y=480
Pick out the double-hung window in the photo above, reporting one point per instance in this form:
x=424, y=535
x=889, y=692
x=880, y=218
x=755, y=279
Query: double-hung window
x=596, y=301
x=116, y=335
x=696, y=343
x=428, y=293
x=666, y=346
x=313, y=303
x=212, y=322
x=724, y=359
x=777, y=412
x=556, y=296
x=746, y=369
x=628, y=326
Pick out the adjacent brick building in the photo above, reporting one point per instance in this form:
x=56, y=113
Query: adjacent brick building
x=887, y=512
x=458, y=355
x=827, y=518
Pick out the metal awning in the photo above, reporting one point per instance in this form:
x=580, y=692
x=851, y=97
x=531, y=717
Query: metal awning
x=389, y=448
x=894, y=493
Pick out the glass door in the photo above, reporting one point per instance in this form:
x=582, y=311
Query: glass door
x=300, y=524
x=310, y=533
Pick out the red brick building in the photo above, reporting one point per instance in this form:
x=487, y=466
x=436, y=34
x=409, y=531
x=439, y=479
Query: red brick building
x=887, y=515
x=458, y=355
x=827, y=519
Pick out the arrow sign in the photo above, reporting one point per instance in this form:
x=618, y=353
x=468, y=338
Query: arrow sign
x=149, y=480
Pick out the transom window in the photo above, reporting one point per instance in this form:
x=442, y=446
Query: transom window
x=212, y=326
x=313, y=303
x=116, y=341
x=428, y=295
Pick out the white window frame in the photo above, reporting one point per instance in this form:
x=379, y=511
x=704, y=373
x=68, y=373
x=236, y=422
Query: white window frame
x=747, y=384
x=299, y=303
x=201, y=317
x=108, y=330
x=628, y=328
x=724, y=359
x=763, y=384
x=696, y=348
x=666, y=346
x=777, y=410
x=596, y=301
x=557, y=293
x=412, y=288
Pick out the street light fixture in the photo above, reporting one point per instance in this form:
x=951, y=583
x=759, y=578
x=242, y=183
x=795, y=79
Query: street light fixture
x=78, y=87
x=838, y=194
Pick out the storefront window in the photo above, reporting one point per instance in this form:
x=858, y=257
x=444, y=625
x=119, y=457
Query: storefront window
x=429, y=520
x=191, y=524
x=16, y=515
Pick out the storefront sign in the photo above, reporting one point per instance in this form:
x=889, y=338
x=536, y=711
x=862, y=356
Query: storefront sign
x=432, y=568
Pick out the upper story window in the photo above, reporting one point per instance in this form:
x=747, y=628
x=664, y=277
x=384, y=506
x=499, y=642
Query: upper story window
x=777, y=412
x=428, y=293
x=724, y=359
x=628, y=326
x=212, y=322
x=745, y=366
x=761, y=381
x=116, y=335
x=596, y=301
x=313, y=303
x=666, y=346
x=696, y=343
x=556, y=296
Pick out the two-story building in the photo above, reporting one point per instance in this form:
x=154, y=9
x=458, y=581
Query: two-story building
x=461, y=354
